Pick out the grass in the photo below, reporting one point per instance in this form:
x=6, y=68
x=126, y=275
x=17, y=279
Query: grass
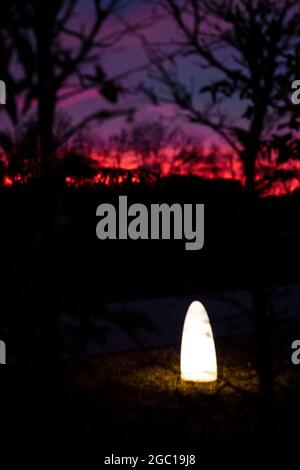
x=138, y=397
x=134, y=402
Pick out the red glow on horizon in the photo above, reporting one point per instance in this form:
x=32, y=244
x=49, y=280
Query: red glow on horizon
x=7, y=181
x=113, y=169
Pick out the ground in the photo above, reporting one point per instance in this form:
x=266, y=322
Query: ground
x=134, y=402
x=137, y=400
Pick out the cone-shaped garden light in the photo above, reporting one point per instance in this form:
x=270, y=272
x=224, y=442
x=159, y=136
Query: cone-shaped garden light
x=198, y=361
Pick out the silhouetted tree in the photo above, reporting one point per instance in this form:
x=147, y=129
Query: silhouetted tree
x=21, y=147
x=78, y=166
x=151, y=146
x=150, y=141
x=250, y=49
x=116, y=147
x=57, y=59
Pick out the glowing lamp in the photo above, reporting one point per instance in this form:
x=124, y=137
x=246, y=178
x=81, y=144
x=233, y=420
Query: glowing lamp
x=198, y=361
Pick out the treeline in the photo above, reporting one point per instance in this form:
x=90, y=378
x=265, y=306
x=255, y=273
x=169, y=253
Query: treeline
x=136, y=154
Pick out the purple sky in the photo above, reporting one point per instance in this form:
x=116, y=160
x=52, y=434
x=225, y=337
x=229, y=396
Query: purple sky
x=129, y=55
x=126, y=56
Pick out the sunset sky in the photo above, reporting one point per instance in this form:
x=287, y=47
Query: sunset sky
x=129, y=55
x=126, y=64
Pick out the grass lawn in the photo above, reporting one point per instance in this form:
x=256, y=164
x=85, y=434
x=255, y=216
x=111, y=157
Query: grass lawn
x=136, y=400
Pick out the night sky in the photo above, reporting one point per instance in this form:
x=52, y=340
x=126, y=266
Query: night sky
x=125, y=57
x=129, y=55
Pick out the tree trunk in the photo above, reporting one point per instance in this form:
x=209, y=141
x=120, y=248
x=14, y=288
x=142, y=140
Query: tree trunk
x=46, y=125
x=46, y=92
x=249, y=160
x=262, y=328
x=49, y=193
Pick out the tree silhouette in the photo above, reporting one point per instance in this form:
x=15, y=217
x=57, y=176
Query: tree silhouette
x=149, y=141
x=252, y=50
x=58, y=57
x=78, y=166
x=116, y=147
x=151, y=146
x=21, y=147
x=245, y=55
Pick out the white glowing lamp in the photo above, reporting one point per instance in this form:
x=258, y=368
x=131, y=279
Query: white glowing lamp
x=198, y=361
